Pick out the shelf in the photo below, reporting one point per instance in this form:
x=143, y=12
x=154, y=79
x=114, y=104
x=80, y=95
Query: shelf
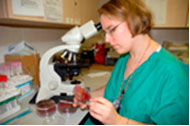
x=75, y=12
x=33, y=24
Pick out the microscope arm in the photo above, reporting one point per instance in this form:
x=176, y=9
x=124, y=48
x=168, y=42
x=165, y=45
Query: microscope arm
x=50, y=82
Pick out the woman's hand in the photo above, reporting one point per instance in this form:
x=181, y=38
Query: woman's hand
x=81, y=96
x=82, y=105
x=98, y=92
x=104, y=111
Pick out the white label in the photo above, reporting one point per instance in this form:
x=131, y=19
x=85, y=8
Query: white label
x=28, y=7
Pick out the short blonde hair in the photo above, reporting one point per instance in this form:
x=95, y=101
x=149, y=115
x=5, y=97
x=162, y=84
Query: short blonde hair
x=134, y=12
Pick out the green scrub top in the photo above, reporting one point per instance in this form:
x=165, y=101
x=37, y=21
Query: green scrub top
x=158, y=92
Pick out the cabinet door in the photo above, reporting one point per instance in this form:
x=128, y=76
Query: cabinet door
x=177, y=13
x=75, y=12
x=171, y=13
x=87, y=10
x=8, y=18
x=69, y=9
x=78, y=12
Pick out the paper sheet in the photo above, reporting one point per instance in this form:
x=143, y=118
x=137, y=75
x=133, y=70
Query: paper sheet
x=158, y=9
x=53, y=10
x=28, y=7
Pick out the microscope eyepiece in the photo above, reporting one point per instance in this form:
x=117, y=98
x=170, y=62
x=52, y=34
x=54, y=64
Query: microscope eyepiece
x=98, y=26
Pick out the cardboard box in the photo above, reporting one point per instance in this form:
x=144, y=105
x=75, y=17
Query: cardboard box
x=30, y=65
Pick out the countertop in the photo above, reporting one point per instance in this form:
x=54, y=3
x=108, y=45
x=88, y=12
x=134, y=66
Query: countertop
x=93, y=77
x=28, y=116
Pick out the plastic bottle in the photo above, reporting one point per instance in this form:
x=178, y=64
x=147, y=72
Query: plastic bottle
x=16, y=68
x=3, y=80
x=5, y=70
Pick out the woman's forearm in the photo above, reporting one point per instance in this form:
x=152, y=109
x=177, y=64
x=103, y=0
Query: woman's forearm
x=127, y=121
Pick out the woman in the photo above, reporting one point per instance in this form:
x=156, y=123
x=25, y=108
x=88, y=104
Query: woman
x=148, y=84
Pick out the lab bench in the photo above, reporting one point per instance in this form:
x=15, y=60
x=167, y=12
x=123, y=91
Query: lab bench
x=28, y=116
x=93, y=77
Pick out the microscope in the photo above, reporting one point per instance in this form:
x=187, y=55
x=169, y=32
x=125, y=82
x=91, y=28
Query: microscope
x=54, y=74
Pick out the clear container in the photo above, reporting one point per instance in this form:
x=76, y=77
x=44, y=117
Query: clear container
x=46, y=108
x=3, y=85
x=5, y=70
x=16, y=68
x=8, y=107
x=3, y=108
x=65, y=107
x=81, y=94
x=14, y=103
x=3, y=81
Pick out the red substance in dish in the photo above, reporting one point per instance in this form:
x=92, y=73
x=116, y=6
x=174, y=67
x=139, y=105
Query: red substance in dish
x=81, y=94
x=66, y=107
x=46, y=108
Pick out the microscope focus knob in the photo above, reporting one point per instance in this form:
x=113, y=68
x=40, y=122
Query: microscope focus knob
x=52, y=85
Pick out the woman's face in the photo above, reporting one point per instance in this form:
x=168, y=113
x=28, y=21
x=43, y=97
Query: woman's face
x=117, y=34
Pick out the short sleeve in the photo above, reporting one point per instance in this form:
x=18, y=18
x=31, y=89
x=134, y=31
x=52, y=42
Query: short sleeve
x=172, y=104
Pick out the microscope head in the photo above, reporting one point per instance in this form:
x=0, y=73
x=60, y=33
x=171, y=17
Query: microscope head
x=77, y=34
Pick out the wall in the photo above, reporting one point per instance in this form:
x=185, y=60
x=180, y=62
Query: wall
x=43, y=39
x=159, y=35
x=171, y=35
x=40, y=39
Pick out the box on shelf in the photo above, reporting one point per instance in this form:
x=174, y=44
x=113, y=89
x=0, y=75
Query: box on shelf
x=30, y=65
x=21, y=48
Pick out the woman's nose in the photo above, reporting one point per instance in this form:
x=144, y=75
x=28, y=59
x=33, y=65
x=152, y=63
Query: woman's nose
x=107, y=38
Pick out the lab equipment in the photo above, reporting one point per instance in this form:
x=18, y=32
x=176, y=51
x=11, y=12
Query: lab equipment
x=13, y=86
x=21, y=48
x=8, y=99
x=23, y=83
x=66, y=107
x=5, y=69
x=16, y=68
x=3, y=80
x=53, y=81
x=30, y=65
x=11, y=69
x=46, y=109
x=81, y=94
